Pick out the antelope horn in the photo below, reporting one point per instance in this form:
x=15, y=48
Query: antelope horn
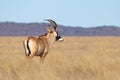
x=53, y=23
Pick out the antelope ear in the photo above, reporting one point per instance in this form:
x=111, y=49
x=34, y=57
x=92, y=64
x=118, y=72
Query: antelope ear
x=48, y=29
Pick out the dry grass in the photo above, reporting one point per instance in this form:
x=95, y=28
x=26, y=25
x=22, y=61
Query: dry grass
x=77, y=58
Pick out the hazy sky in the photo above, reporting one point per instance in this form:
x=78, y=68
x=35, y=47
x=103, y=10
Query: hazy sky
x=85, y=13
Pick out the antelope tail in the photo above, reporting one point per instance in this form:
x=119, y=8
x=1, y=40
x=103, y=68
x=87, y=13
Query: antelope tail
x=27, y=48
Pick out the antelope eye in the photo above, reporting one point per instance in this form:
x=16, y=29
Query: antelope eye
x=51, y=31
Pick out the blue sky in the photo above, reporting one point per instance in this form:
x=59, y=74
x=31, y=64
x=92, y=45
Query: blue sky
x=85, y=13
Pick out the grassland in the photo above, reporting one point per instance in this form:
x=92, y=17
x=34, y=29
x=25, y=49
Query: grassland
x=77, y=58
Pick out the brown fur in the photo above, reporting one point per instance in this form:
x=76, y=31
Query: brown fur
x=39, y=46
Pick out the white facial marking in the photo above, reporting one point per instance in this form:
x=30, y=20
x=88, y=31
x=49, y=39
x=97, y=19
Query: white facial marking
x=61, y=39
x=55, y=34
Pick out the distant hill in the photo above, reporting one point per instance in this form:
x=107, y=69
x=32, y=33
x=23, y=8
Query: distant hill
x=36, y=29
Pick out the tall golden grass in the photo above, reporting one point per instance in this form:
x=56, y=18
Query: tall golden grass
x=77, y=58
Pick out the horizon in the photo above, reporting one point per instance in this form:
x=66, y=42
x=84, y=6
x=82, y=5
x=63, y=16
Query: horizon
x=69, y=13
x=58, y=24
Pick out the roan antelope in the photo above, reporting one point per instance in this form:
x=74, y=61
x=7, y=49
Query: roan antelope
x=39, y=46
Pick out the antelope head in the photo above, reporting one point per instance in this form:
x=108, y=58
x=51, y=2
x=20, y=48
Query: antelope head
x=54, y=31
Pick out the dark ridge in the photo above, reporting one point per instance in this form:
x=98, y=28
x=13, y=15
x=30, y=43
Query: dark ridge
x=36, y=29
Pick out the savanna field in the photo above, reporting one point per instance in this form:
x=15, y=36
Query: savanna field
x=77, y=58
